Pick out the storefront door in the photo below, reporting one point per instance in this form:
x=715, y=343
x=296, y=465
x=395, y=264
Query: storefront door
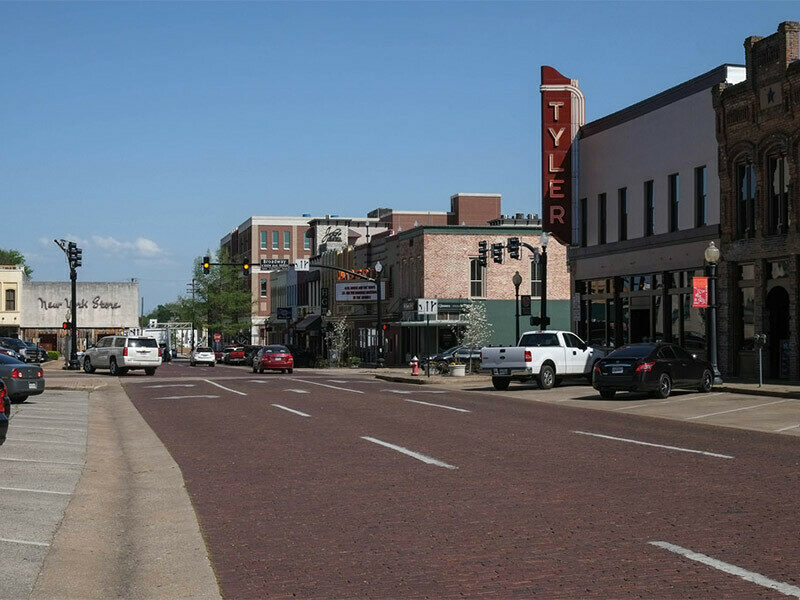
x=778, y=334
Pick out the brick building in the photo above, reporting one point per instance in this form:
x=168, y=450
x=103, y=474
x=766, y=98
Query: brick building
x=758, y=131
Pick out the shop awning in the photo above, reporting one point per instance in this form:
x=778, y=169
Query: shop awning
x=308, y=323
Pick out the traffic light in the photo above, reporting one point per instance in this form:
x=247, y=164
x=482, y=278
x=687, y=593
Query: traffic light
x=66, y=325
x=483, y=253
x=385, y=327
x=246, y=267
x=497, y=253
x=78, y=257
x=512, y=244
x=206, y=265
x=72, y=254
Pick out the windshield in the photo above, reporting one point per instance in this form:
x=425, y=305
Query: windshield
x=282, y=349
x=538, y=340
x=203, y=350
x=639, y=351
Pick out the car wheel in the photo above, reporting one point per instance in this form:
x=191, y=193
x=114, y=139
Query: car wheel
x=255, y=370
x=87, y=365
x=212, y=364
x=547, y=377
x=290, y=371
x=501, y=383
x=7, y=406
x=112, y=367
x=191, y=364
x=260, y=370
x=283, y=371
x=20, y=399
x=706, y=382
x=607, y=394
x=150, y=371
x=664, y=386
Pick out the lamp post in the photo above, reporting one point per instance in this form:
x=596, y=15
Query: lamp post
x=712, y=256
x=544, y=240
x=378, y=272
x=517, y=281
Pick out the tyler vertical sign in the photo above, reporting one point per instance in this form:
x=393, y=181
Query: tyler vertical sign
x=562, y=116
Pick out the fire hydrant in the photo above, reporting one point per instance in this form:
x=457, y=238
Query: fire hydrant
x=414, y=366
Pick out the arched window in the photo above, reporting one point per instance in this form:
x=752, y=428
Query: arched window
x=778, y=189
x=745, y=199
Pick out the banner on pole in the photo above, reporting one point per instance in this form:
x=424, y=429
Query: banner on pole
x=700, y=292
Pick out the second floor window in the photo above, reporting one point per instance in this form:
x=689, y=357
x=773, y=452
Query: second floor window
x=649, y=209
x=674, y=201
x=536, y=279
x=263, y=240
x=601, y=221
x=274, y=240
x=779, y=180
x=700, y=197
x=306, y=243
x=622, y=197
x=745, y=200
x=287, y=240
x=583, y=224
x=11, y=300
x=477, y=279
x=263, y=288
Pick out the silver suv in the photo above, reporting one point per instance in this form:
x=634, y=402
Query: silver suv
x=120, y=354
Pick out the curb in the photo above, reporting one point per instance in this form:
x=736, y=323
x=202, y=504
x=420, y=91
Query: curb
x=396, y=379
x=757, y=392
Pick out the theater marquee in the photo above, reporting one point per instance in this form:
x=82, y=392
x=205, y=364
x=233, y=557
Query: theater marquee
x=562, y=116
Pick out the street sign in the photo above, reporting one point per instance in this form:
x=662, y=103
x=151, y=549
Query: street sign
x=699, y=292
x=270, y=264
x=301, y=264
x=427, y=306
x=284, y=312
x=217, y=337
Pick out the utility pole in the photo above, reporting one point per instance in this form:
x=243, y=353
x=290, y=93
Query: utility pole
x=191, y=289
x=75, y=260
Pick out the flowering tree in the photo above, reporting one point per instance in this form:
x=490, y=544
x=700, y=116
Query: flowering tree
x=338, y=339
x=477, y=330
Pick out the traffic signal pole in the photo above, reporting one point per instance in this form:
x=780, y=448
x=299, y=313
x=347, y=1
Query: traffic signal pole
x=74, y=365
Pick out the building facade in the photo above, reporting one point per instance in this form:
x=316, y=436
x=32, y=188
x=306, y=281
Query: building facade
x=648, y=205
x=758, y=129
x=12, y=280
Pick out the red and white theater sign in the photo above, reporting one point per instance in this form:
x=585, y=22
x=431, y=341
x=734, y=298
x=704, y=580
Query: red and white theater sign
x=699, y=292
x=562, y=116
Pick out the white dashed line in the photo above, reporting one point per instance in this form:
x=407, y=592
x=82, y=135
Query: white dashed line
x=291, y=410
x=47, y=428
x=26, y=542
x=758, y=579
x=411, y=453
x=329, y=386
x=41, y=462
x=787, y=428
x=224, y=388
x=619, y=439
x=13, y=489
x=182, y=397
x=724, y=412
x=297, y=391
x=337, y=380
x=166, y=385
x=463, y=410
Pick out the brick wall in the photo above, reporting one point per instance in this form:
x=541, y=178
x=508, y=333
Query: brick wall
x=474, y=209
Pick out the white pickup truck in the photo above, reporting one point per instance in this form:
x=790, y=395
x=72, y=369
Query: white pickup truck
x=546, y=356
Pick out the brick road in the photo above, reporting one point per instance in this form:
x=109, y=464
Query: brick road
x=294, y=506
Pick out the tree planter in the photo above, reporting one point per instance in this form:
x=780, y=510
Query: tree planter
x=458, y=370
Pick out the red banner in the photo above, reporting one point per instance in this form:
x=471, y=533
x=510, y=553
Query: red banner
x=700, y=292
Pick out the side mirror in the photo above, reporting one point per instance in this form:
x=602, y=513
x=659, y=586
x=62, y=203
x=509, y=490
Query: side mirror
x=584, y=347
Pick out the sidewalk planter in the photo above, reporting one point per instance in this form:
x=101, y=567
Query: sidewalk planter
x=458, y=370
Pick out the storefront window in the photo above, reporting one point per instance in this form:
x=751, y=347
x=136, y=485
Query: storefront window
x=694, y=327
x=598, y=286
x=747, y=322
x=597, y=323
x=658, y=318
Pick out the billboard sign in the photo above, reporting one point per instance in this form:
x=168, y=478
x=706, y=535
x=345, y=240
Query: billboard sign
x=562, y=116
x=359, y=292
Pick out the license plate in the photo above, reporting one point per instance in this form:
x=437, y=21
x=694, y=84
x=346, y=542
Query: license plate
x=32, y=385
x=500, y=372
x=616, y=370
x=279, y=359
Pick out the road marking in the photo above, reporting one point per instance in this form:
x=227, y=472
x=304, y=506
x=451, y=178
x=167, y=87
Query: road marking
x=48, y=428
x=619, y=439
x=414, y=391
x=411, y=453
x=43, y=462
x=398, y=391
x=337, y=380
x=13, y=489
x=11, y=440
x=297, y=391
x=787, y=428
x=670, y=401
x=181, y=397
x=328, y=386
x=224, y=388
x=464, y=410
x=291, y=410
x=723, y=412
x=26, y=542
x=758, y=579
x=24, y=415
x=166, y=385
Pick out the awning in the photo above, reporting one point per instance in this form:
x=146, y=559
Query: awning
x=309, y=323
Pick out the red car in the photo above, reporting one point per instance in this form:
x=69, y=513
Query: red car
x=233, y=355
x=273, y=358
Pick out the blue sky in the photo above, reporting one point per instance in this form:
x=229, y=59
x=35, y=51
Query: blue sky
x=148, y=130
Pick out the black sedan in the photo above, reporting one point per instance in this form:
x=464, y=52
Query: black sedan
x=21, y=380
x=655, y=368
x=5, y=412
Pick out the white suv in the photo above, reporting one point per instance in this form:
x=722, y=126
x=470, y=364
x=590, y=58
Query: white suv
x=120, y=354
x=202, y=355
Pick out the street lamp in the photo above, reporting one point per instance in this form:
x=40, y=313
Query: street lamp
x=378, y=272
x=517, y=281
x=544, y=239
x=712, y=255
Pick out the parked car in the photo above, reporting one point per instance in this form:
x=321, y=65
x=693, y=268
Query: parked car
x=16, y=345
x=657, y=368
x=249, y=353
x=273, y=358
x=546, y=356
x=219, y=355
x=20, y=379
x=234, y=355
x=120, y=354
x=5, y=406
x=12, y=353
x=202, y=355
x=36, y=353
x=460, y=354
